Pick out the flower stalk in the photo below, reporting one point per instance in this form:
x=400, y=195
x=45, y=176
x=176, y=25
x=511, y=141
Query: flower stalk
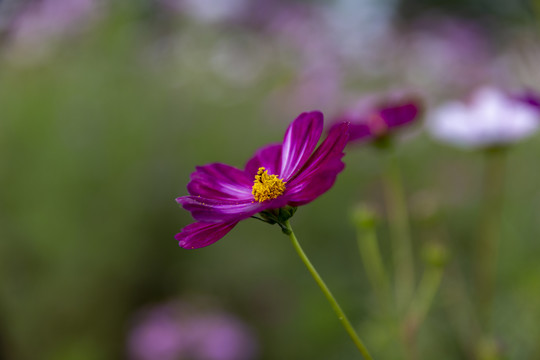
x=335, y=305
x=400, y=232
x=368, y=246
x=493, y=186
x=420, y=305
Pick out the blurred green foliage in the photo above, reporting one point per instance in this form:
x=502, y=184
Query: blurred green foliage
x=98, y=139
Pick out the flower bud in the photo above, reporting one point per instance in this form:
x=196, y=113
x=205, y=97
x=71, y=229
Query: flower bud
x=435, y=254
x=365, y=216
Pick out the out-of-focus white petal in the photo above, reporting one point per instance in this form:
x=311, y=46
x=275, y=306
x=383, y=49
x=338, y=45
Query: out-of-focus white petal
x=491, y=118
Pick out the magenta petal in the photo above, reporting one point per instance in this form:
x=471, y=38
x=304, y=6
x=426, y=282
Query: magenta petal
x=300, y=140
x=320, y=171
x=198, y=235
x=220, y=181
x=317, y=185
x=268, y=157
x=358, y=130
x=400, y=114
x=212, y=210
x=529, y=97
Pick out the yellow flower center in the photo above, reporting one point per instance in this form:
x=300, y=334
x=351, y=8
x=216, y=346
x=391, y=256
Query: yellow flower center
x=267, y=187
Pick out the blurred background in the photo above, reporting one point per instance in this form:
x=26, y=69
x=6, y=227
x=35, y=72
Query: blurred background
x=107, y=107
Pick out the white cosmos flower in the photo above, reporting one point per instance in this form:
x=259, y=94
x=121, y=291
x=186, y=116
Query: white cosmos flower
x=491, y=118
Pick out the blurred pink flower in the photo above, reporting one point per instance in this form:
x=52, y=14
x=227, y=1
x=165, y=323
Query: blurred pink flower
x=529, y=97
x=377, y=116
x=447, y=53
x=51, y=18
x=315, y=65
x=179, y=330
x=209, y=10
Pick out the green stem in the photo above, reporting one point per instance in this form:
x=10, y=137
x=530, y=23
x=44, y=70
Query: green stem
x=341, y=315
x=371, y=257
x=429, y=284
x=396, y=206
x=420, y=305
x=493, y=183
x=461, y=310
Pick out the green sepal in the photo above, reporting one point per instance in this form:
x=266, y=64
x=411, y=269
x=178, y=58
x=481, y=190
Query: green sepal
x=277, y=216
x=270, y=216
x=285, y=213
x=383, y=142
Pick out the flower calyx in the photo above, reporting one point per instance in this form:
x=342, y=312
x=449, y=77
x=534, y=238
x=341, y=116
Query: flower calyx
x=277, y=216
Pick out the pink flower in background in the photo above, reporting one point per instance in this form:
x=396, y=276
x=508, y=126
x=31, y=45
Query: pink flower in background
x=209, y=10
x=375, y=116
x=490, y=118
x=315, y=67
x=447, y=54
x=278, y=177
x=529, y=97
x=51, y=18
x=179, y=330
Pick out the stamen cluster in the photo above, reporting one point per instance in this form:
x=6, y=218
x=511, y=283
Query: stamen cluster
x=267, y=187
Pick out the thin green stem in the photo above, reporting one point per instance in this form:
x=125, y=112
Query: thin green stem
x=461, y=310
x=420, y=305
x=371, y=257
x=429, y=284
x=495, y=166
x=341, y=315
x=396, y=206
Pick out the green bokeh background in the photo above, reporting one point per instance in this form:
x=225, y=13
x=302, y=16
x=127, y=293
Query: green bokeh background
x=98, y=139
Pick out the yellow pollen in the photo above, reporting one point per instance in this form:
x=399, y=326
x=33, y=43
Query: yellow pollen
x=267, y=187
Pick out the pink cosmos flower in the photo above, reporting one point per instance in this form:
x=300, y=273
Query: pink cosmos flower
x=376, y=117
x=277, y=179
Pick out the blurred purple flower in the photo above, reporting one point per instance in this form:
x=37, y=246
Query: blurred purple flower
x=447, y=53
x=157, y=336
x=529, y=97
x=279, y=176
x=375, y=117
x=180, y=331
x=209, y=10
x=51, y=18
x=317, y=75
x=490, y=118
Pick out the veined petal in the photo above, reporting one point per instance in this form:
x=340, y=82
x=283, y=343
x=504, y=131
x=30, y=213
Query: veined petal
x=300, y=140
x=220, y=181
x=307, y=191
x=268, y=157
x=212, y=210
x=199, y=234
x=320, y=171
